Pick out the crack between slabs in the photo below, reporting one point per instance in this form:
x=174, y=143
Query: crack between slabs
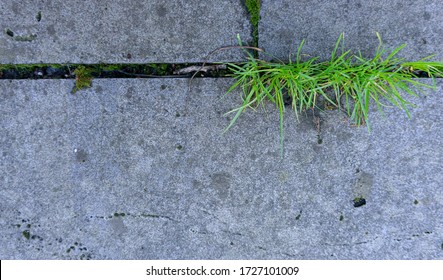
x=112, y=71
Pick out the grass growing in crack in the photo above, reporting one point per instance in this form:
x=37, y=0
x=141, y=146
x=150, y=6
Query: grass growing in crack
x=347, y=81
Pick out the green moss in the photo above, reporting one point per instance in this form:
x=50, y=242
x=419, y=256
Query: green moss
x=83, y=78
x=254, y=11
x=109, y=67
x=253, y=7
x=359, y=201
x=26, y=234
x=155, y=69
x=158, y=68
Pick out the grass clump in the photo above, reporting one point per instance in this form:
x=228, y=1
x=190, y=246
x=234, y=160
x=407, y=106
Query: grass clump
x=346, y=81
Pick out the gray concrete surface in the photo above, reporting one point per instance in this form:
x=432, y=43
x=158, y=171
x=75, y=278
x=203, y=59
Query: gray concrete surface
x=139, y=169
x=55, y=31
x=284, y=23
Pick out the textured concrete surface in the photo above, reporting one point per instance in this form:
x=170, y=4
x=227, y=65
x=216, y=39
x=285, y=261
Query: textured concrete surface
x=284, y=23
x=139, y=169
x=56, y=31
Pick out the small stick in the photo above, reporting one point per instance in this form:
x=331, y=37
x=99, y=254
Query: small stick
x=222, y=49
x=196, y=69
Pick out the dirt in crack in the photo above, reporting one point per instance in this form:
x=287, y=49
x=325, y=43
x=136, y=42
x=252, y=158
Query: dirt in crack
x=151, y=70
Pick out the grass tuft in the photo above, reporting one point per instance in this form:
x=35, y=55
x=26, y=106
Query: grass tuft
x=346, y=81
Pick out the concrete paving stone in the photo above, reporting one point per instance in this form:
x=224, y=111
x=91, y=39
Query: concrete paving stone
x=140, y=169
x=417, y=23
x=56, y=31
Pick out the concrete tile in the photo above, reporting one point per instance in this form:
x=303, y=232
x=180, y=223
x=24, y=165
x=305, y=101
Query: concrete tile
x=285, y=23
x=140, y=169
x=55, y=31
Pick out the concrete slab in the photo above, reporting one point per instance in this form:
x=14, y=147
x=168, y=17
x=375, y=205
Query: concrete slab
x=284, y=23
x=55, y=31
x=139, y=169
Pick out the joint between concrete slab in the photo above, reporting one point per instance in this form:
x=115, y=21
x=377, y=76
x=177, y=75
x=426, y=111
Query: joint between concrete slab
x=150, y=70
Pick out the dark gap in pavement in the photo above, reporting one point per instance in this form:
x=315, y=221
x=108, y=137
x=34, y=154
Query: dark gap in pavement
x=111, y=71
x=150, y=70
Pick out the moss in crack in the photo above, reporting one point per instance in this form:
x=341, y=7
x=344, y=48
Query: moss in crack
x=253, y=7
x=83, y=78
x=159, y=68
x=359, y=201
x=26, y=234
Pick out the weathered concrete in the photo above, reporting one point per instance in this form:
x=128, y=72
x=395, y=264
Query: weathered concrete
x=284, y=23
x=56, y=31
x=139, y=169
